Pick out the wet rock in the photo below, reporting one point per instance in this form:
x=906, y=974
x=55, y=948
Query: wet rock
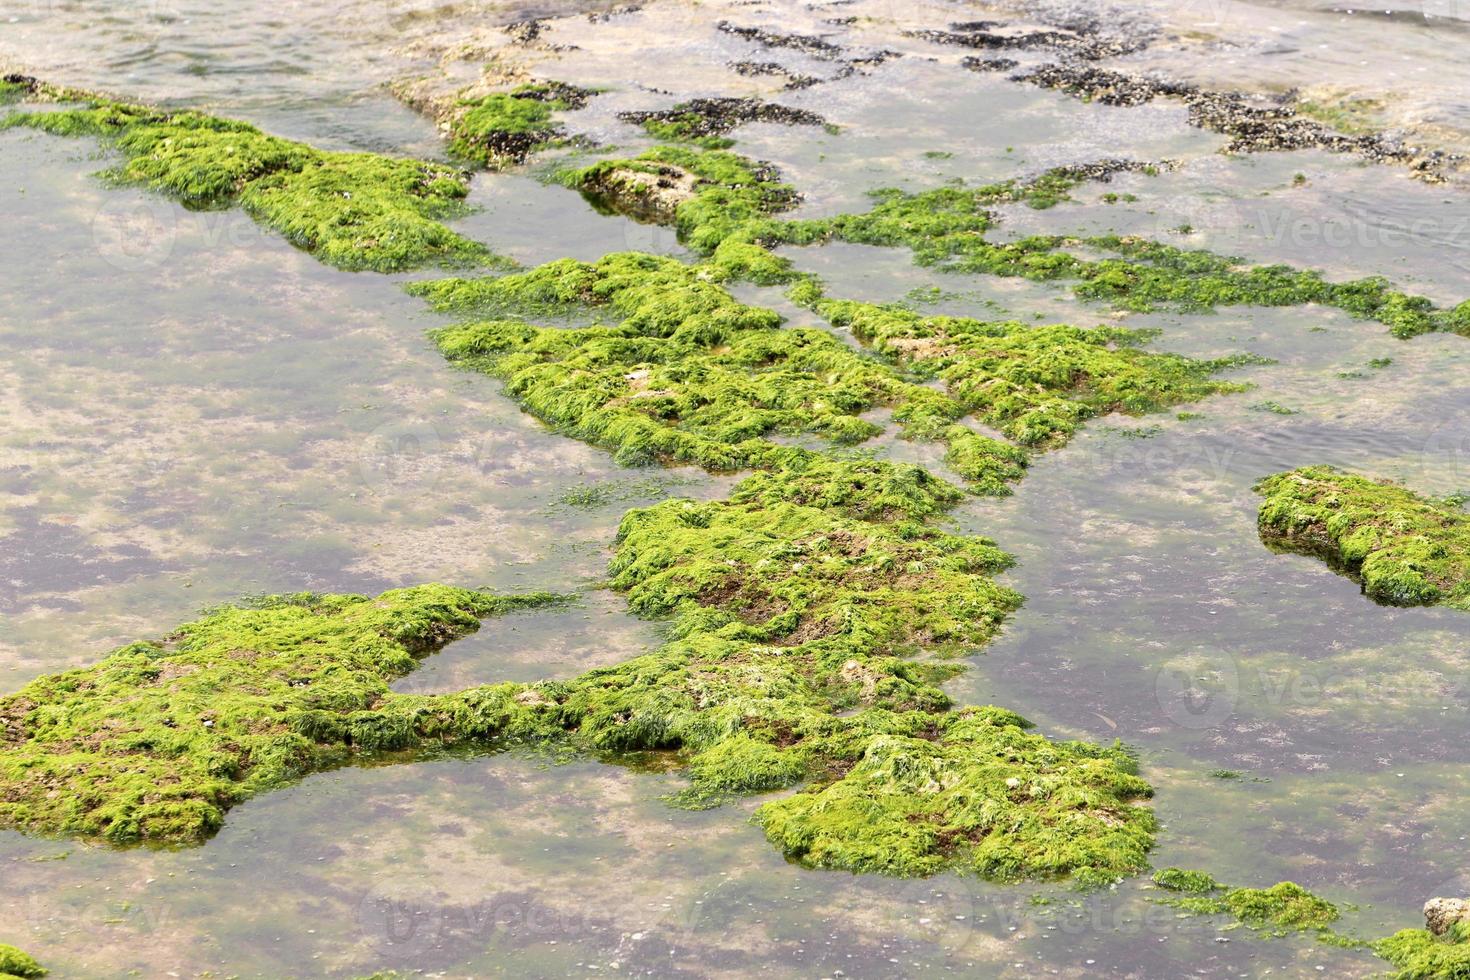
x=1085, y=40
x=753, y=69
x=990, y=64
x=1440, y=914
x=1253, y=123
x=525, y=31
x=647, y=195
x=814, y=46
x=716, y=117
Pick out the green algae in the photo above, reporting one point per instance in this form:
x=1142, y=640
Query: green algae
x=812, y=612
x=1283, y=908
x=16, y=964
x=790, y=659
x=727, y=198
x=1405, y=549
x=159, y=739
x=1034, y=384
x=1418, y=954
x=1185, y=880
x=708, y=195
x=352, y=210
x=689, y=374
x=503, y=128
x=982, y=794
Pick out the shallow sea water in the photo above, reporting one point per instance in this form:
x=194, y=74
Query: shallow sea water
x=193, y=410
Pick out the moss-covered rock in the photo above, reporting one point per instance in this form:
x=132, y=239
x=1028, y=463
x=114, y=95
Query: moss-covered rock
x=1407, y=550
x=1283, y=908
x=1185, y=880
x=503, y=128
x=714, y=197
x=14, y=963
x=689, y=374
x=159, y=739
x=1418, y=954
x=710, y=196
x=353, y=210
x=980, y=793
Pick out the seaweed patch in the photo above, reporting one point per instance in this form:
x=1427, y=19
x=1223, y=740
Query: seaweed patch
x=16, y=965
x=159, y=739
x=1405, y=549
x=1283, y=908
x=352, y=210
x=718, y=200
x=1440, y=951
x=504, y=128
x=688, y=374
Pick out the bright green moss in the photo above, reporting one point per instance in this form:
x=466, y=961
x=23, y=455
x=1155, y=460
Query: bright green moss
x=1183, y=880
x=847, y=587
x=981, y=794
x=689, y=374
x=1418, y=954
x=1034, y=384
x=14, y=963
x=1283, y=908
x=13, y=91
x=710, y=196
x=725, y=198
x=159, y=739
x=1407, y=550
x=353, y=210
x=989, y=465
x=868, y=490
x=503, y=128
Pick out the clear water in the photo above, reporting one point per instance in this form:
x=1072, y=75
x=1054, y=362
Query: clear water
x=193, y=410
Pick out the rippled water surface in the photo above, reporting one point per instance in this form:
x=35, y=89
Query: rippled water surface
x=193, y=410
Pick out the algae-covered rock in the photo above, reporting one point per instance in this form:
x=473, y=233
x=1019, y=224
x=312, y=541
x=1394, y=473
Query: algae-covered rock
x=1441, y=951
x=14, y=963
x=353, y=210
x=1185, y=880
x=704, y=122
x=1405, y=549
x=980, y=793
x=159, y=739
x=1035, y=384
x=715, y=198
x=503, y=128
x=689, y=374
x=1283, y=908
